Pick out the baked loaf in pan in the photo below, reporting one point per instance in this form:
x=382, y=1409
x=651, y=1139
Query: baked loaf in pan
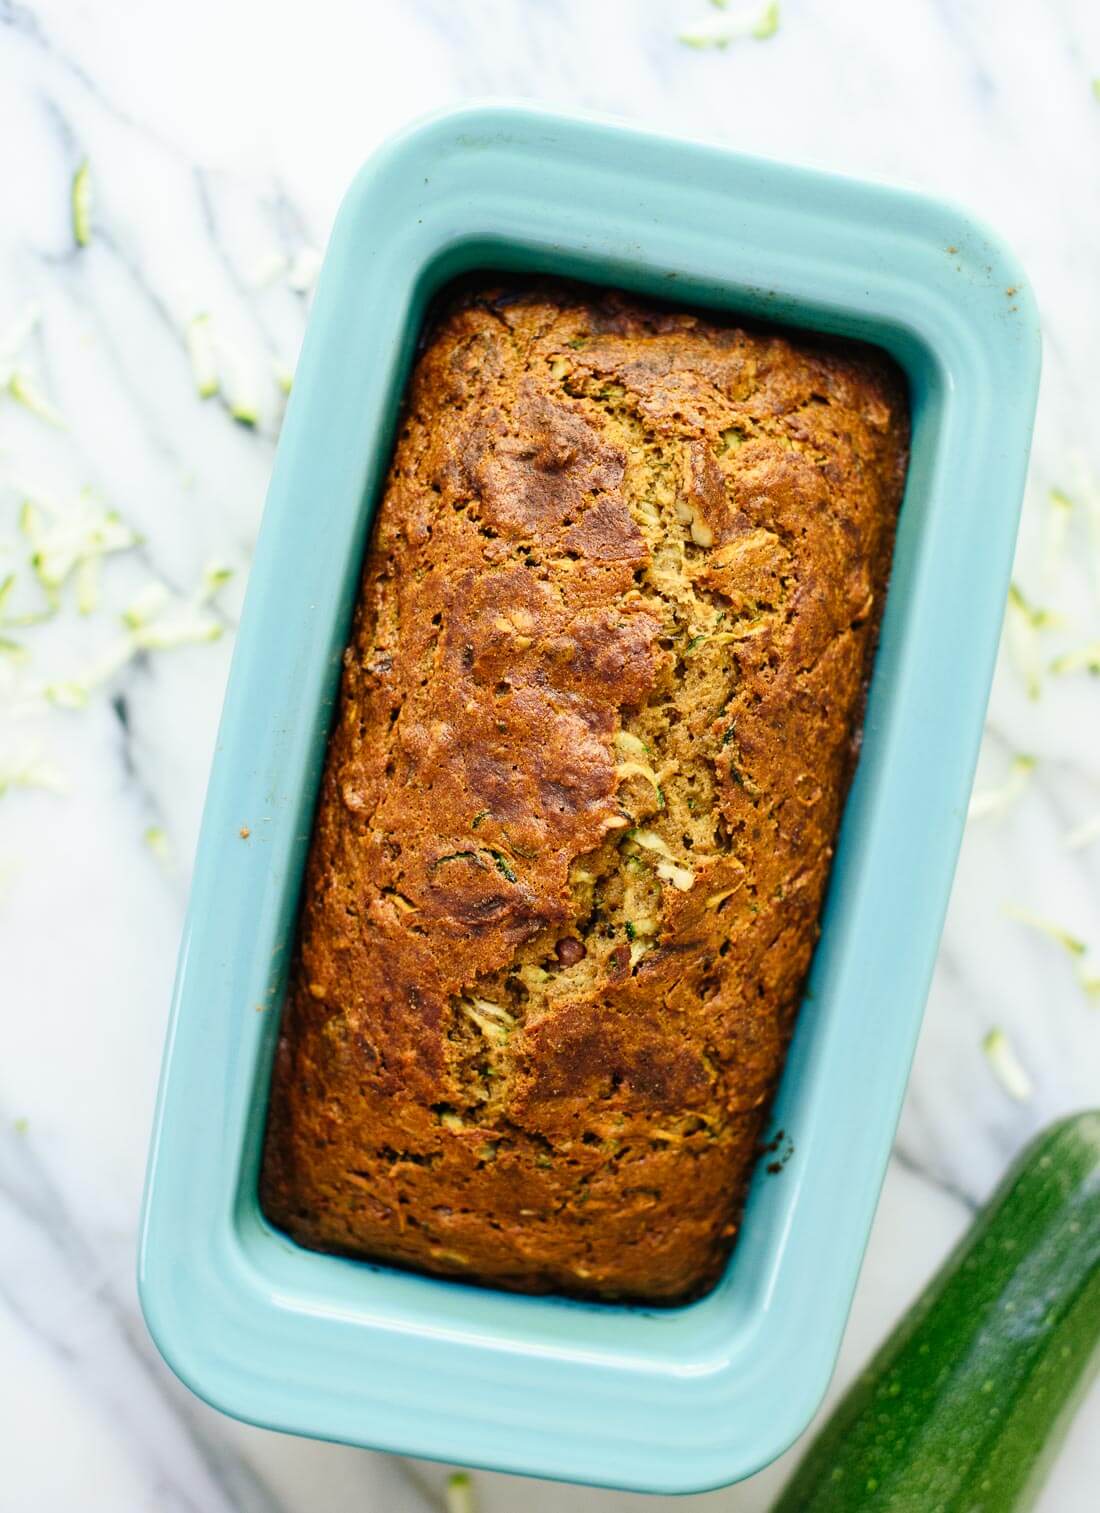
x=598, y=714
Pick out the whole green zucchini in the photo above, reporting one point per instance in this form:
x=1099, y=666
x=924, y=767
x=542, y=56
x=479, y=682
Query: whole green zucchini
x=963, y=1408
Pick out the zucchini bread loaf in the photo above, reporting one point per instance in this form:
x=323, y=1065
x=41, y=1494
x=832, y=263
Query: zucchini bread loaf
x=598, y=714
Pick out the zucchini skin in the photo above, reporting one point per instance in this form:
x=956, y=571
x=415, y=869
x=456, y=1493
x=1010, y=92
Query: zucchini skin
x=963, y=1408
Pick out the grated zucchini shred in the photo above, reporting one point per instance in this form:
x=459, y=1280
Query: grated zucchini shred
x=25, y=392
x=994, y=801
x=1057, y=526
x=284, y=375
x=1083, y=659
x=64, y=541
x=681, y=878
x=14, y=378
x=1068, y=941
x=758, y=28
x=238, y=383
x=30, y=771
x=303, y=271
x=492, y=1019
x=156, y=838
x=81, y=205
x=199, y=337
x=1024, y=623
x=1006, y=1065
x=269, y=266
x=667, y=868
x=1084, y=834
x=459, y=1493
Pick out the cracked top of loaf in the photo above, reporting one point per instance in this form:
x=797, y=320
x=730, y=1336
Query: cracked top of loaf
x=597, y=718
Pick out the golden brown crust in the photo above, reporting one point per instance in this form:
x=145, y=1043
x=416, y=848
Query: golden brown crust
x=597, y=718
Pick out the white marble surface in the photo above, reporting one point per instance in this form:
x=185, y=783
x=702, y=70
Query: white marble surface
x=218, y=133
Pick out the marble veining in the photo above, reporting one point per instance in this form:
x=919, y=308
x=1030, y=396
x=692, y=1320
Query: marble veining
x=219, y=139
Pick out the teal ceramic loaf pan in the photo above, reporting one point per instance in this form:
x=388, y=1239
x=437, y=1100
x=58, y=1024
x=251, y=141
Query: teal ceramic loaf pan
x=659, y=1400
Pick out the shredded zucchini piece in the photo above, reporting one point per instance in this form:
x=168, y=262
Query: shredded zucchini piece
x=184, y=627
x=148, y=604
x=630, y=745
x=649, y=841
x=701, y=532
x=215, y=575
x=74, y=693
x=492, y=1019
x=460, y=1493
x=156, y=838
x=667, y=868
x=638, y=948
x=1084, y=834
x=267, y=268
x=720, y=897
x=81, y=203
x=219, y=366
x=1083, y=659
x=759, y=28
x=768, y=22
x=1024, y=624
x=70, y=695
x=15, y=379
x=304, y=270
x=87, y=584
x=155, y=623
x=62, y=541
x=494, y=1010
x=284, y=375
x=238, y=382
x=743, y=630
x=17, y=336
x=30, y=518
x=33, y=617
x=1068, y=941
x=990, y=801
x=200, y=349
x=1006, y=1065
x=638, y=769
x=30, y=771
x=24, y=391
x=1057, y=527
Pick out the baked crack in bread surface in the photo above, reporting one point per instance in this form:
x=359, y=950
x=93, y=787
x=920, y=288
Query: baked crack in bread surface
x=597, y=718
